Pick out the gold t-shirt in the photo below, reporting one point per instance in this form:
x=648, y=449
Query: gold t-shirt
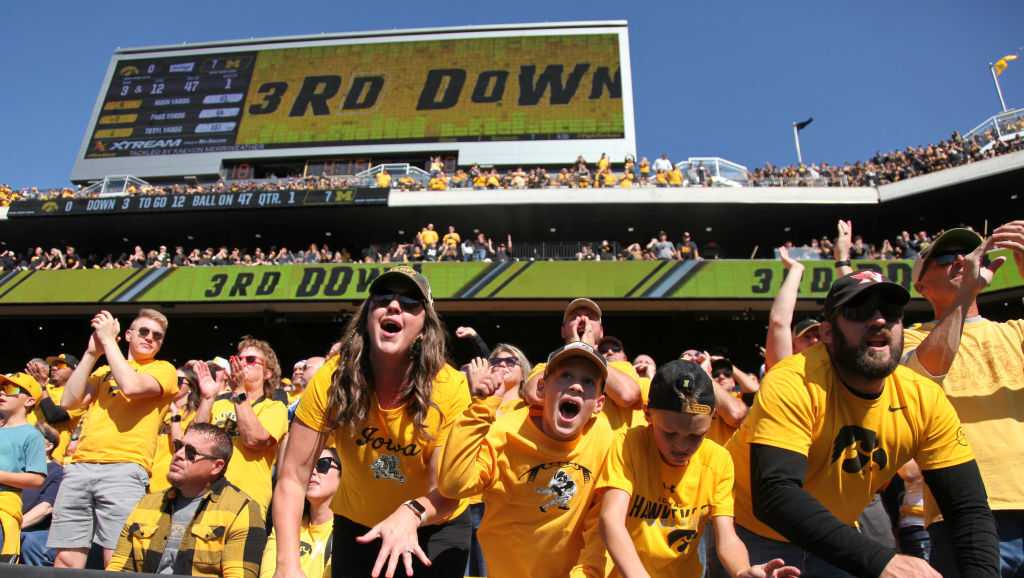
x=314, y=546
x=669, y=506
x=383, y=460
x=165, y=452
x=250, y=469
x=853, y=445
x=985, y=384
x=120, y=430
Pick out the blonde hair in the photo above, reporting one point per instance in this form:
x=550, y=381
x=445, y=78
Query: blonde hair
x=155, y=315
x=269, y=385
x=524, y=363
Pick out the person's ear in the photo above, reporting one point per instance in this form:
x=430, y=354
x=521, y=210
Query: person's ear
x=598, y=404
x=825, y=333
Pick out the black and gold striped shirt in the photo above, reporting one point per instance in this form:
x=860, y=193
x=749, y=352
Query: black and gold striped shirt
x=226, y=537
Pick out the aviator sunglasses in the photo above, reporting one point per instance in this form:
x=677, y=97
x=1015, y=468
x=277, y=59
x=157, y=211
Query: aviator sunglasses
x=145, y=332
x=191, y=453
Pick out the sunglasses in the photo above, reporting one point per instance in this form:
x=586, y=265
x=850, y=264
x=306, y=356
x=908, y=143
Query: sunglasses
x=145, y=332
x=406, y=302
x=721, y=373
x=324, y=465
x=508, y=362
x=12, y=390
x=191, y=453
x=250, y=360
x=184, y=381
x=948, y=258
x=609, y=348
x=864, y=309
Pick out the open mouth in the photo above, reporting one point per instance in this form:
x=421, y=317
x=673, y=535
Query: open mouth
x=878, y=341
x=390, y=326
x=568, y=409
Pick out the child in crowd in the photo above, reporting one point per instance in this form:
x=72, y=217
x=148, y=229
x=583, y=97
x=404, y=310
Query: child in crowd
x=536, y=470
x=22, y=456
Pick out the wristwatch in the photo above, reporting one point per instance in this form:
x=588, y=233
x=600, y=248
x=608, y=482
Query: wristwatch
x=239, y=398
x=176, y=418
x=417, y=508
x=843, y=263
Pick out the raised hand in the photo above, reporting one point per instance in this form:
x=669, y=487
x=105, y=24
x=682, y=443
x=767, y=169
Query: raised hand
x=465, y=333
x=481, y=384
x=844, y=240
x=105, y=327
x=788, y=262
x=1011, y=236
x=976, y=273
x=208, y=386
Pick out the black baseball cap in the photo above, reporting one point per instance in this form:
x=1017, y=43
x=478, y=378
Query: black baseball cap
x=408, y=274
x=682, y=386
x=65, y=358
x=849, y=286
x=805, y=325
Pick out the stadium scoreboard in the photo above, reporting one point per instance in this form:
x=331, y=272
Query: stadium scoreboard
x=494, y=95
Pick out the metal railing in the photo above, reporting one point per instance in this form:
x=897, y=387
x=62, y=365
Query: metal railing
x=713, y=172
x=368, y=178
x=113, y=186
x=1003, y=126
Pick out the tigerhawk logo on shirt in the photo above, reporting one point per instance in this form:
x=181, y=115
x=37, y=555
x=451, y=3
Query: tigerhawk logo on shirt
x=561, y=488
x=866, y=449
x=387, y=467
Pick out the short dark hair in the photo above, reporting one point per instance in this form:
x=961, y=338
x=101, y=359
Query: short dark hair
x=222, y=448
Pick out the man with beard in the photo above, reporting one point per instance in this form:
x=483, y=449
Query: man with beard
x=832, y=425
x=980, y=364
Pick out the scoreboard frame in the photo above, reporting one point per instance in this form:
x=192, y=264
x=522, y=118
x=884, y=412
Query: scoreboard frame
x=548, y=151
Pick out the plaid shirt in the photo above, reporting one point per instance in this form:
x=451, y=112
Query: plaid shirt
x=226, y=537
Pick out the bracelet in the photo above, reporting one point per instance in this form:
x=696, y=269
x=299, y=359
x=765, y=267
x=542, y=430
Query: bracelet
x=843, y=263
x=417, y=509
x=176, y=418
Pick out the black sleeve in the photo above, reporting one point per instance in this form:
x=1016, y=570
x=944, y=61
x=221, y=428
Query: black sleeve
x=52, y=412
x=481, y=346
x=961, y=496
x=776, y=481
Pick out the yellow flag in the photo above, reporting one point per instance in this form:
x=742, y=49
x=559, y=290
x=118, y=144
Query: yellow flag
x=1003, y=62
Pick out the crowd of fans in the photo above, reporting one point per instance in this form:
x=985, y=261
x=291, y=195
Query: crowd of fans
x=429, y=246
x=380, y=454
x=881, y=169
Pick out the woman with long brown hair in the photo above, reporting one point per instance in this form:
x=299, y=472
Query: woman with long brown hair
x=388, y=399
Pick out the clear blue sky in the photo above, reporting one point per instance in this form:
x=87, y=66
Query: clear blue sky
x=716, y=78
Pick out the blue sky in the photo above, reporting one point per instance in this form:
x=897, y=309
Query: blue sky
x=711, y=78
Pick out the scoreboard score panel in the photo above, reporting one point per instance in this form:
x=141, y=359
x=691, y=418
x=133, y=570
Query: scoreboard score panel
x=490, y=88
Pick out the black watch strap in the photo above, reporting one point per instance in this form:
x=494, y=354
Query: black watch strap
x=239, y=398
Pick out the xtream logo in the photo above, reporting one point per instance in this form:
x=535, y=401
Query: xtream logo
x=127, y=145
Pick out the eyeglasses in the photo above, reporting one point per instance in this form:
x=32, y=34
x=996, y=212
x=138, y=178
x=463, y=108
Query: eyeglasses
x=13, y=390
x=508, y=362
x=864, y=309
x=191, y=453
x=251, y=360
x=324, y=465
x=145, y=332
x=406, y=302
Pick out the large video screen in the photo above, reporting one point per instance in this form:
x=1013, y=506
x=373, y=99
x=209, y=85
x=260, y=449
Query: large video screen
x=457, y=90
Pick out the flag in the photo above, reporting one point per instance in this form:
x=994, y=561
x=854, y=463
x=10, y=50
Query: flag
x=803, y=125
x=1003, y=62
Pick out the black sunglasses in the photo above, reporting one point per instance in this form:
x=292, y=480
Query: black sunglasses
x=948, y=257
x=182, y=380
x=508, y=362
x=324, y=465
x=144, y=332
x=864, y=308
x=606, y=348
x=406, y=302
x=191, y=453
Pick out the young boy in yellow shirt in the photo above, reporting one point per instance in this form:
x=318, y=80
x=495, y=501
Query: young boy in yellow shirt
x=663, y=482
x=536, y=470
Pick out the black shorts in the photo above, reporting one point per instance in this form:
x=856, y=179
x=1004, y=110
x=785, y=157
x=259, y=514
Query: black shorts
x=447, y=546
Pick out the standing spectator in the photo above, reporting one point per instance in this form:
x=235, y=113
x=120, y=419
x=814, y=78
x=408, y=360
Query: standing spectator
x=980, y=365
x=450, y=242
x=388, y=400
x=109, y=470
x=252, y=417
x=37, y=507
x=483, y=250
x=662, y=248
x=22, y=457
x=688, y=248
x=662, y=164
x=645, y=171
x=202, y=525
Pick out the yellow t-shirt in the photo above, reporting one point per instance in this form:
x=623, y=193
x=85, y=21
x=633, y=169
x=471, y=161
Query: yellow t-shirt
x=438, y=184
x=721, y=431
x=645, y=168
x=119, y=430
x=537, y=490
x=250, y=469
x=10, y=522
x=853, y=445
x=165, y=452
x=64, y=428
x=383, y=179
x=602, y=163
x=617, y=417
x=609, y=179
x=675, y=177
x=452, y=239
x=428, y=237
x=984, y=385
x=384, y=461
x=668, y=505
x=314, y=545
x=661, y=178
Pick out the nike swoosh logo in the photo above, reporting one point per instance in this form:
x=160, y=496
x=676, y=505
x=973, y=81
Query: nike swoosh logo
x=897, y=408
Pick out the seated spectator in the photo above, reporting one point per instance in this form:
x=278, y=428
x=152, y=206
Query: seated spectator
x=661, y=178
x=202, y=526
x=407, y=183
x=675, y=177
x=687, y=248
x=37, y=505
x=438, y=182
x=383, y=180
x=316, y=532
x=22, y=457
